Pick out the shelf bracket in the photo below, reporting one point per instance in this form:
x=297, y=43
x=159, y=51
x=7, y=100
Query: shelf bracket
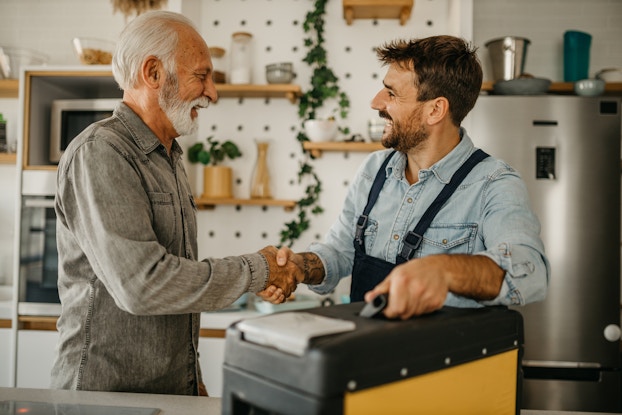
x=291, y=96
x=404, y=15
x=348, y=14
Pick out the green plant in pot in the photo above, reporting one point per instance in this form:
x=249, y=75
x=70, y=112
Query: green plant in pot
x=217, y=179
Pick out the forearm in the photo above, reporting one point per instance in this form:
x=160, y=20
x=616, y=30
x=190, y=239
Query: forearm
x=312, y=268
x=473, y=276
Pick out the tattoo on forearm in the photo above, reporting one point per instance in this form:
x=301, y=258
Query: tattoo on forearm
x=312, y=268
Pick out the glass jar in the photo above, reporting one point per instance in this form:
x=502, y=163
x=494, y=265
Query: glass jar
x=218, y=61
x=241, y=58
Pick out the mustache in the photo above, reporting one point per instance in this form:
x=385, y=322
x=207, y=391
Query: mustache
x=202, y=102
x=385, y=115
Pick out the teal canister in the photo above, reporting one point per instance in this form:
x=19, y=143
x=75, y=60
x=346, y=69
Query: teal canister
x=576, y=55
x=3, y=141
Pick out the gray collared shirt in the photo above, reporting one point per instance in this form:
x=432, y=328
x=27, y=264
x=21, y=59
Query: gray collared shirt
x=129, y=281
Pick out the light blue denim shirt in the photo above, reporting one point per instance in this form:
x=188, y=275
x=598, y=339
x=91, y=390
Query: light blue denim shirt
x=489, y=214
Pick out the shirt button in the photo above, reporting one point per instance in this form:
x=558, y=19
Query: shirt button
x=444, y=241
x=396, y=237
x=409, y=200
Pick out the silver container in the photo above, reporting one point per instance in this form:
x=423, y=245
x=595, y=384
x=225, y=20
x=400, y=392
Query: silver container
x=507, y=55
x=280, y=73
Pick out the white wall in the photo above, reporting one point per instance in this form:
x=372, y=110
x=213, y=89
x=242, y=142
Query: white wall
x=544, y=23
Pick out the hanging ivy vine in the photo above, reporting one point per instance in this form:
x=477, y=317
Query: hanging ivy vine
x=323, y=86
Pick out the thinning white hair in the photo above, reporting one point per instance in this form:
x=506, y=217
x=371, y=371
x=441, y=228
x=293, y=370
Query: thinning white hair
x=154, y=33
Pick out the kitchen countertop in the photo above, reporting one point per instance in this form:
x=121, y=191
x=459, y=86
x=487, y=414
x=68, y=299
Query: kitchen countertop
x=168, y=404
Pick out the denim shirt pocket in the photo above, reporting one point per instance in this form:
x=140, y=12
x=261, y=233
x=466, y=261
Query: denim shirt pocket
x=448, y=239
x=163, y=221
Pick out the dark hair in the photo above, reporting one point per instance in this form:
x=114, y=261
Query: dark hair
x=444, y=66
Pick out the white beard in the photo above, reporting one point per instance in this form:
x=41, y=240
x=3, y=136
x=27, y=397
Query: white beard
x=178, y=111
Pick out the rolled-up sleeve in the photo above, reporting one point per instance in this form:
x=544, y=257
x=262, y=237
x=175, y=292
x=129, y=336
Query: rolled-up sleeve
x=511, y=233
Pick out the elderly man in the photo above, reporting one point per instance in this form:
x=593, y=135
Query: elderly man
x=130, y=284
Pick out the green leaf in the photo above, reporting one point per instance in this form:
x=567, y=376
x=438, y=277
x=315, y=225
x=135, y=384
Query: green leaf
x=204, y=157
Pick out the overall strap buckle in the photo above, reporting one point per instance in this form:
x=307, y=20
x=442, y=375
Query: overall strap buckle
x=411, y=243
x=361, y=224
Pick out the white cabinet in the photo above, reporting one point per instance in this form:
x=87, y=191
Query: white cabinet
x=5, y=357
x=35, y=357
x=211, y=357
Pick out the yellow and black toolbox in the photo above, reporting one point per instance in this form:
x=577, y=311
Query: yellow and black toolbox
x=330, y=360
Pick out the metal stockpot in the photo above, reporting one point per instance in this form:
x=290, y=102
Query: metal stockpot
x=507, y=55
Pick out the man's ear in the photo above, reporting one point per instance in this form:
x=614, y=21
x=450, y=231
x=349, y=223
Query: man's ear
x=438, y=110
x=152, y=72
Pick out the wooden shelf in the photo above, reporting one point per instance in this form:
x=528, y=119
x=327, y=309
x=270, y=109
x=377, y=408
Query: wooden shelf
x=377, y=9
x=47, y=323
x=290, y=91
x=613, y=88
x=316, y=148
x=8, y=158
x=205, y=203
x=9, y=88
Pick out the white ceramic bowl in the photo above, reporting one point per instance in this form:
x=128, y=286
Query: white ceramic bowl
x=610, y=75
x=375, y=128
x=589, y=87
x=321, y=130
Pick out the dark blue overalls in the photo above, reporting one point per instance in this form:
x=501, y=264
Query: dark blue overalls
x=369, y=271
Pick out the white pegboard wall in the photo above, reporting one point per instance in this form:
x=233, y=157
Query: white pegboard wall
x=278, y=36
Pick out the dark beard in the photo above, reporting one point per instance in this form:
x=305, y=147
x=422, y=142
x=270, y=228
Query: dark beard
x=404, y=138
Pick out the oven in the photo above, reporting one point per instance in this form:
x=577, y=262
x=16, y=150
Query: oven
x=38, y=257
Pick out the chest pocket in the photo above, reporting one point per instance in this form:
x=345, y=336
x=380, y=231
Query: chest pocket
x=370, y=234
x=448, y=239
x=164, y=217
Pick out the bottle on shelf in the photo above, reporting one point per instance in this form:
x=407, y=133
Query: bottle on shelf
x=260, y=184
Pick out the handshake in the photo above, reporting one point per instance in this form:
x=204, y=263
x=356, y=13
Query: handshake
x=287, y=270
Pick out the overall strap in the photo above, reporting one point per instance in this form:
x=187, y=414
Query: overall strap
x=414, y=237
x=376, y=187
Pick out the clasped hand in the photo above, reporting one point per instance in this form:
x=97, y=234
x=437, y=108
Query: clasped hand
x=283, y=276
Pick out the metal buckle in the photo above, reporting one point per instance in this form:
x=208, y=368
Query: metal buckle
x=361, y=224
x=411, y=243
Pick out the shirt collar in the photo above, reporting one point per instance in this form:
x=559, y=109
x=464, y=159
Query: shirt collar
x=443, y=169
x=142, y=135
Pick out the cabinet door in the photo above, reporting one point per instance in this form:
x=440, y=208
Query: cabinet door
x=5, y=357
x=35, y=356
x=212, y=356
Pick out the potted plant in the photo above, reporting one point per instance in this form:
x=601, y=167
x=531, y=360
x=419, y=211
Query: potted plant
x=217, y=179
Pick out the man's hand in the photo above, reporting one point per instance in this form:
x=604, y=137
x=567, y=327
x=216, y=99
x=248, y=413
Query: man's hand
x=282, y=277
x=414, y=288
x=311, y=265
x=420, y=285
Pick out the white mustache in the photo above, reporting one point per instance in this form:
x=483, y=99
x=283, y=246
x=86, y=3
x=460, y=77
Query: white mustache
x=202, y=102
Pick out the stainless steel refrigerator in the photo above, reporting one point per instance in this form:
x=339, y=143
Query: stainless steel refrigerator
x=567, y=149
